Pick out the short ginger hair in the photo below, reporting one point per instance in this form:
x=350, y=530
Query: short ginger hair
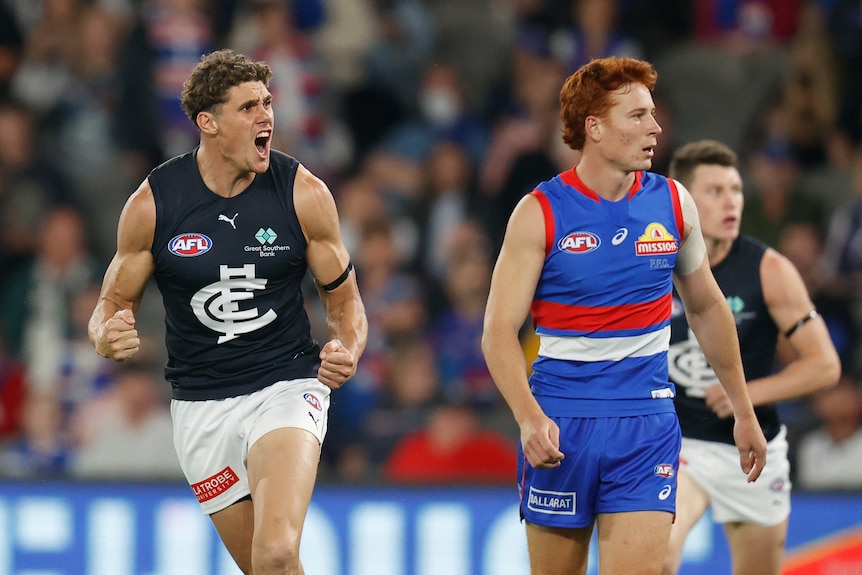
x=587, y=92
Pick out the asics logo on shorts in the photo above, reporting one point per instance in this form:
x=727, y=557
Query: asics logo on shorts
x=665, y=492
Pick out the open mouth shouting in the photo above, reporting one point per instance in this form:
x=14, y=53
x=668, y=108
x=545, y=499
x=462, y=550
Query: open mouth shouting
x=262, y=141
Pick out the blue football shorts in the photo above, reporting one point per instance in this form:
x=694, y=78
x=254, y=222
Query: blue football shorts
x=611, y=465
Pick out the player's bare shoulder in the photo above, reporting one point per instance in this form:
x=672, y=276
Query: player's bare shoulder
x=138, y=219
x=314, y=203
x=527, y=222
x=781, y=281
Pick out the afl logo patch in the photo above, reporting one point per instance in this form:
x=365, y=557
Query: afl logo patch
x=190, y=245
x=664, y=470
x=579, y=243
x=312, y=401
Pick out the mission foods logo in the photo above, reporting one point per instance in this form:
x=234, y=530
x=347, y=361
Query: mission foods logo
x=656, y=241
x=190, y=245
x=579, y=242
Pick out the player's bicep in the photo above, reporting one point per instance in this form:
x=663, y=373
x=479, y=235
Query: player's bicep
x=692, y=250
x=132, y=265
x=790, y=305
x=518, y=267
x=699, y=290
x=326, y=253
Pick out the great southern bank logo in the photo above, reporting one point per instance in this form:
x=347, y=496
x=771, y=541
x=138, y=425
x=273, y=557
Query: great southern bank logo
x=190, y=245
x=266, y=247
x=265, y=236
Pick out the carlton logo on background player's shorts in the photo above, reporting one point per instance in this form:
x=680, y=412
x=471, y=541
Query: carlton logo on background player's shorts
x=215, y=485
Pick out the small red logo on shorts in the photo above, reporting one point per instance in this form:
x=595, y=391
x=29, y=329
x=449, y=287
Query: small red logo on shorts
x=215, y=485
x=664, y=470
x=313, y=401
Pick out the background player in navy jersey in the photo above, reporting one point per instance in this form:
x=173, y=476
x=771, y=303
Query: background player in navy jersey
x=592, y=254
x=768, y=299
x=228, y=231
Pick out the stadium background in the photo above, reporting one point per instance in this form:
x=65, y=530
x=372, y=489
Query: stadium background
x=428, y=119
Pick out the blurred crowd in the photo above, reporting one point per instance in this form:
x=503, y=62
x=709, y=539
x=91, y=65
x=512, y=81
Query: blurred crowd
x=429, y=120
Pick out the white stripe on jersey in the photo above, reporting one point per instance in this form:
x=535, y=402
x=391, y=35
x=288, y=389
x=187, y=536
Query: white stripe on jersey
x=583, y=348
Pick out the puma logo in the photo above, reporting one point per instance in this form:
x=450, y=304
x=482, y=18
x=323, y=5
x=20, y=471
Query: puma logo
x=224, y=218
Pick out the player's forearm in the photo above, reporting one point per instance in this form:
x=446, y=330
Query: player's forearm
x=800, y=378
x=347, y=323
x=505, y=360
x=716, y=333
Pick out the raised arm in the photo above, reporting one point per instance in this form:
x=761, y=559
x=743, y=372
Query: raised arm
x=712, y=322
x=112, y=325
x=329, y=261
x=513, y=285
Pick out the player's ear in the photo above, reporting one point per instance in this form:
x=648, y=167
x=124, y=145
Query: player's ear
x=593, y=128
x=207, y=123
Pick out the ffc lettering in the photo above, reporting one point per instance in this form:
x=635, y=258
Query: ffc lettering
x=217, y=305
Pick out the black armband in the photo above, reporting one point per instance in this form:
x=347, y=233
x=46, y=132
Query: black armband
x=811, y=315
x=339, y=280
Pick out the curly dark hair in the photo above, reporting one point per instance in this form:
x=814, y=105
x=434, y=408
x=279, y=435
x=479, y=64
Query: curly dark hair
x=212, y=78
x=587, y=92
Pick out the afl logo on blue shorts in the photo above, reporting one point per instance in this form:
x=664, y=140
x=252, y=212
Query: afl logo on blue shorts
x=190, y=245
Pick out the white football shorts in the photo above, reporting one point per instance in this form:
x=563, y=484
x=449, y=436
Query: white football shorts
x=715, y=467
x=212, y=438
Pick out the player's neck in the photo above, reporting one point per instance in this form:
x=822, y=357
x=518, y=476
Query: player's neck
x=717, y=250
x=608, y=182
x=220, y=175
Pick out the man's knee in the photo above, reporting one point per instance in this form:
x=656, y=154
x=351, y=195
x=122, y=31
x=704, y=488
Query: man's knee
x=276, y=554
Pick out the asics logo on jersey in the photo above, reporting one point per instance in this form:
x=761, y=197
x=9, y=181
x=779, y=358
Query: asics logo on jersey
x=217, y=305
x=231, y=221
x=665, y=492
x=619, y=236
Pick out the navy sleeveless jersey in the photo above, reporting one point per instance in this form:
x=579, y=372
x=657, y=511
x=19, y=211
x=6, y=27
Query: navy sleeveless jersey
x=602, y=305
x=738, y=276
x=230, y=273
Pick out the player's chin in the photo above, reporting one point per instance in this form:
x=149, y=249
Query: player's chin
x=260, y=164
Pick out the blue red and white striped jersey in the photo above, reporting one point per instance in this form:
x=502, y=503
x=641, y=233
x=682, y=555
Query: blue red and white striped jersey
x=602, y=305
